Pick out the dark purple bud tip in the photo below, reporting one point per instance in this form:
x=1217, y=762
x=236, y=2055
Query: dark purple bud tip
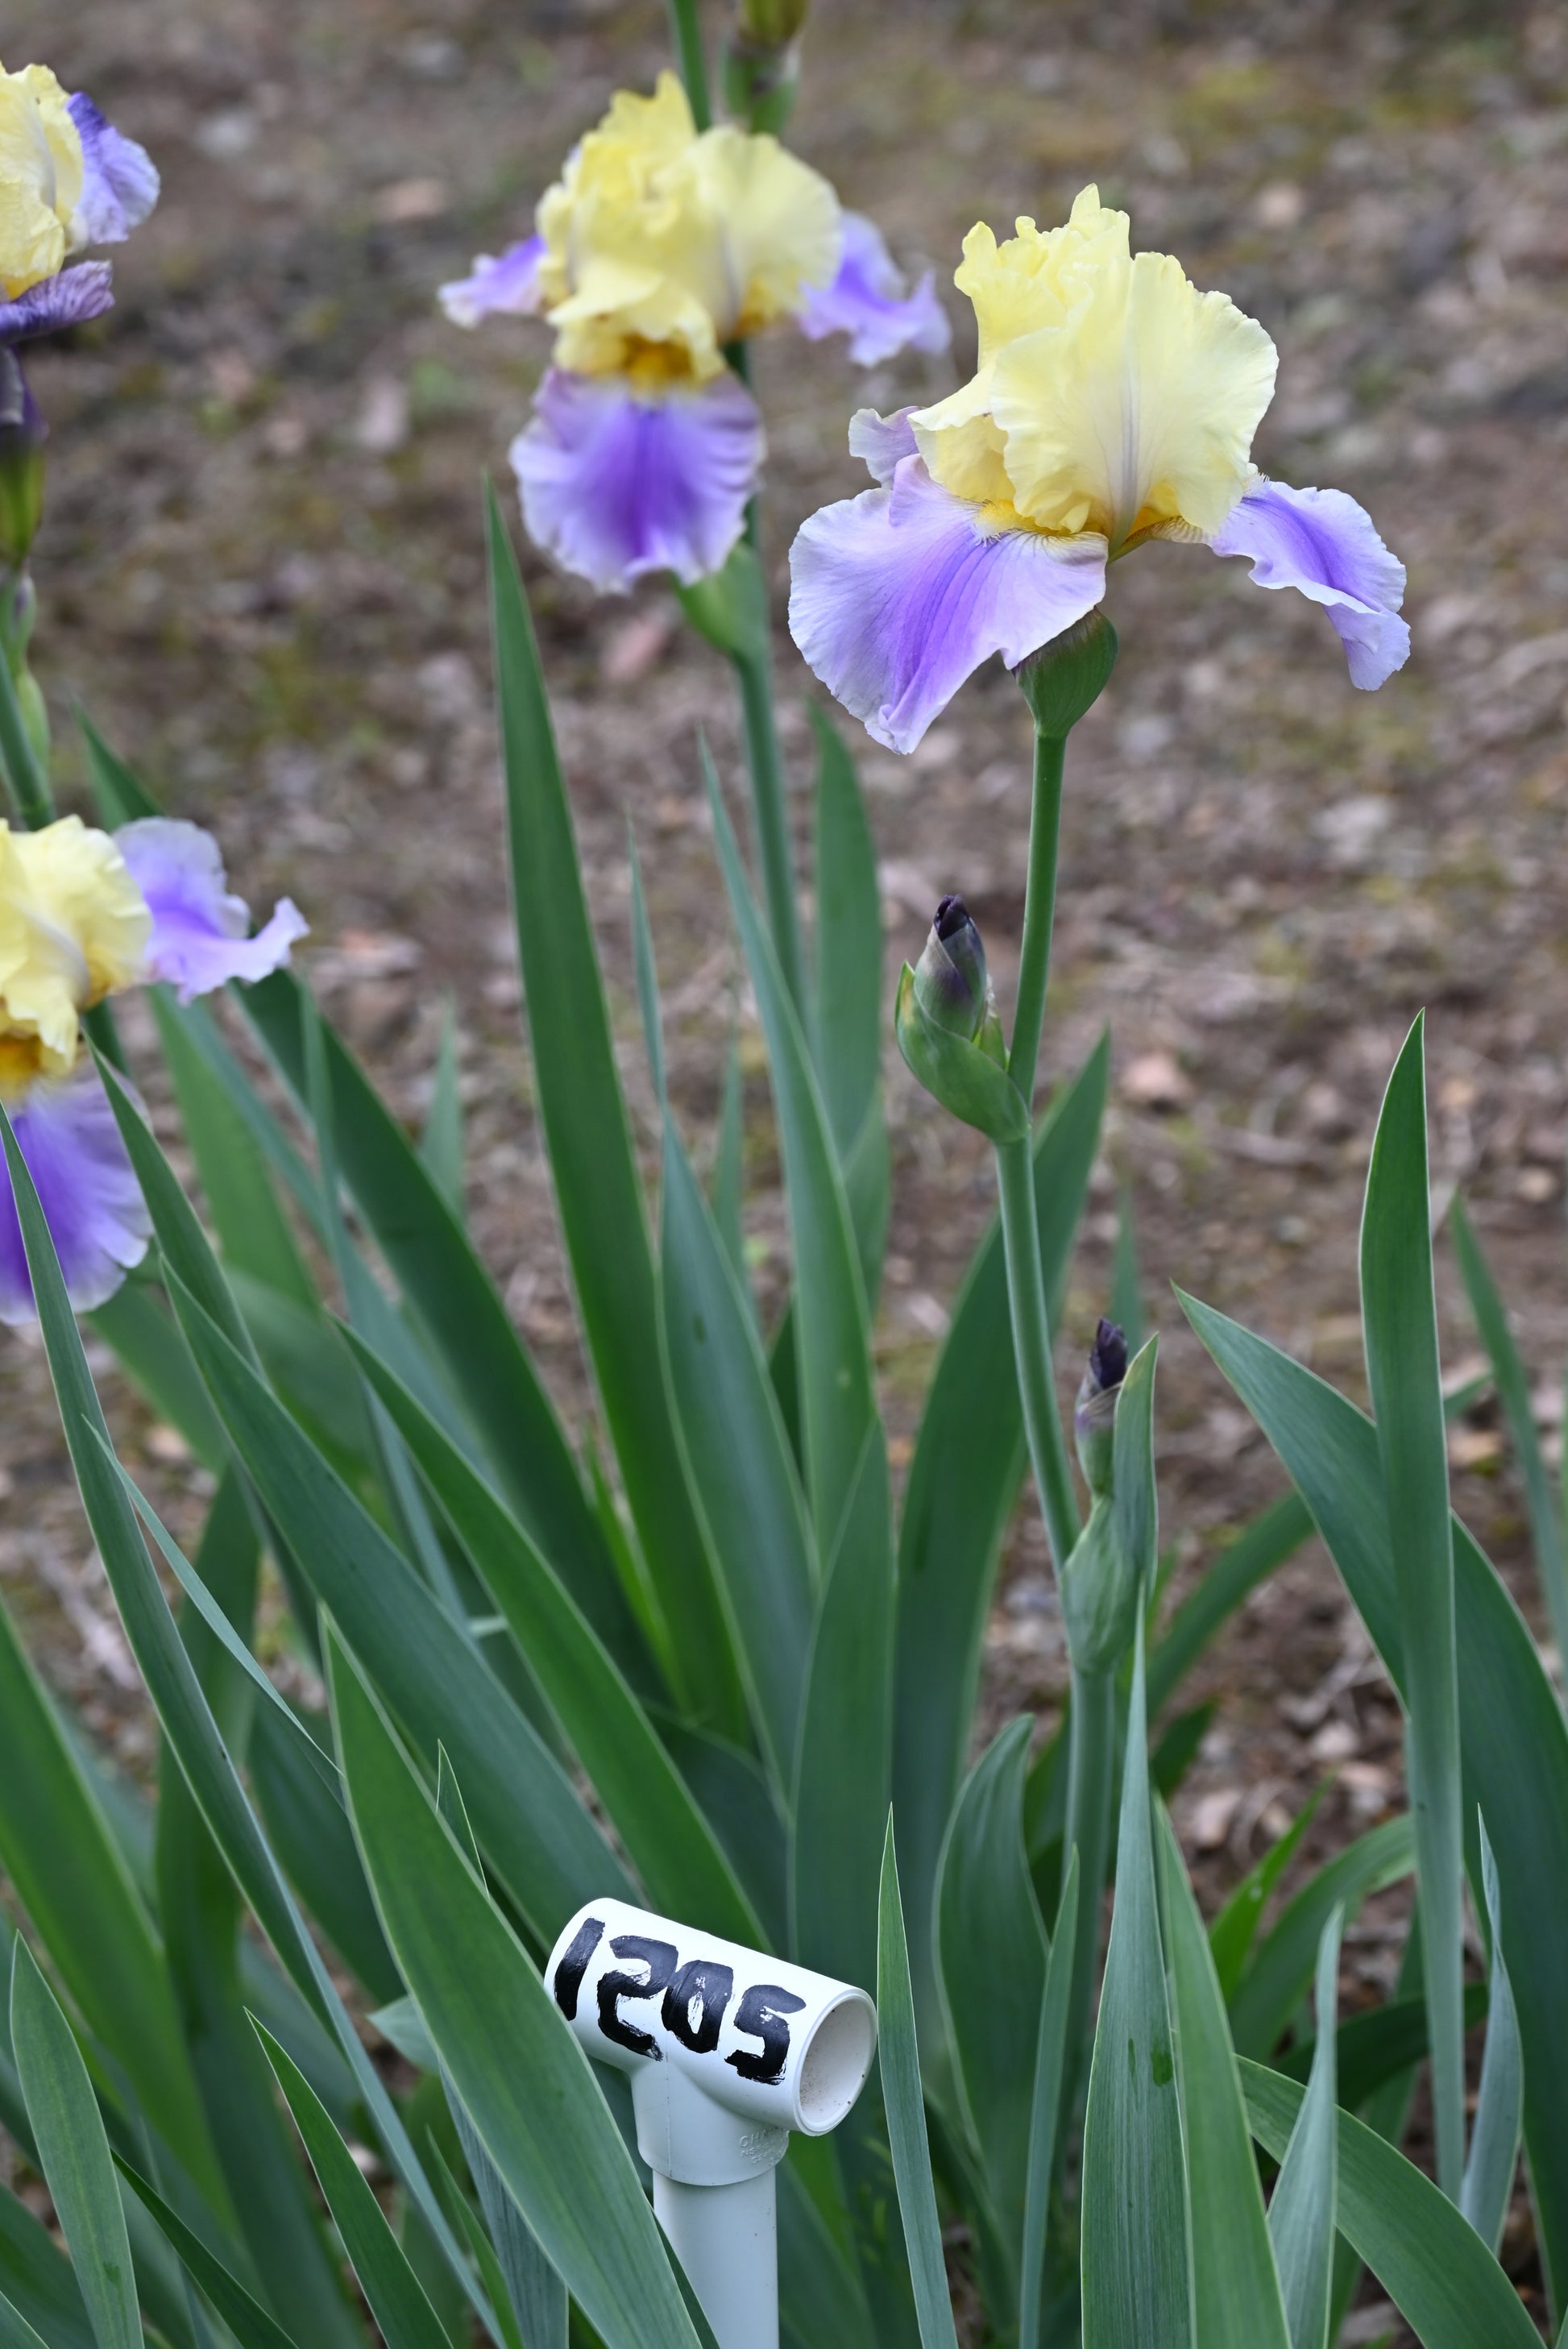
x=950, y=981
x=1108, y=1356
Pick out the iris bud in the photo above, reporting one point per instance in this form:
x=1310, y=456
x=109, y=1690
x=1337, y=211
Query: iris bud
x=1094, y=1416
x=771, y=22
x=1068, y=675
x=762, y=62
x=951, y=985
x=761, y=82
x=23, y=432
x=948, y=1031
x=1114, y=1557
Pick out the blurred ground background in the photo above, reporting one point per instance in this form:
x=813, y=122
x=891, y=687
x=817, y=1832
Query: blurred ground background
x=261, y=572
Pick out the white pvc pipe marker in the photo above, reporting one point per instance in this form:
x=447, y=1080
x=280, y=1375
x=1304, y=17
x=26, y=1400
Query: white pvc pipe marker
x=728, y=2052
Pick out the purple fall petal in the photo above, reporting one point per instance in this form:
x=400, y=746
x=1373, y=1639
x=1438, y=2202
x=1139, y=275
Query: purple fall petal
x=615, y=484
x=870, y=300
x=1322, y=542
x=200, y=933
x=96, y=1217
x=119, y=179
x=899, y=595
x=68, y=299
x=506, y=282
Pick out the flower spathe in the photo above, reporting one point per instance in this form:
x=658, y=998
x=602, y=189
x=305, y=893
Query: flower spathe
x=68, y=179
x=1112, y=403
x=657, y=248
x=83, y=917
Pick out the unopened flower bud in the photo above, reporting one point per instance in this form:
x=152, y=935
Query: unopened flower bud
x=23, y=432
x=771, y=22
x=761, y=82
x=762, y=62
x=1094, y=1416
x=1113, y=1559
x=1068, y=675
x=947, y=1028
x=1108, y=1355
x=951, y=985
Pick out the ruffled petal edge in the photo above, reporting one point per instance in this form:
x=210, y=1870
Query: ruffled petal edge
x=870, y=299
x=119, y=179
x=201, y=933
x=92, y=1203
x=504, y=284
x=620, y=485
x=1327, y=547
x=899, y=595
x=68, y=299
x=883, y=442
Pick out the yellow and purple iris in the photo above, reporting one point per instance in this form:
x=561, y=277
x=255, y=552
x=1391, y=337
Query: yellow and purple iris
x=1112, y=402
x=68, y=179
x=657, y=248
x=84, y=917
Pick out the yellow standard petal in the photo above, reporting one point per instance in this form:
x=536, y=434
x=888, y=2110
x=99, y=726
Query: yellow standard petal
x=661, y=245
x=63, y=141
x=40, y=177
x=1029, y=282
x=779, y=225
x=1113, y=395
x=74, y=927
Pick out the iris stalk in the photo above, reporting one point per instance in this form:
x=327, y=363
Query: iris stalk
x=754, y=675
x=753, y=670
x=29, y=783
x=1016, y=1171
x=1092, y=1731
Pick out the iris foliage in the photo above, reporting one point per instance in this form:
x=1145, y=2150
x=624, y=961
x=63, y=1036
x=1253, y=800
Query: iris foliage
x=705, y=1659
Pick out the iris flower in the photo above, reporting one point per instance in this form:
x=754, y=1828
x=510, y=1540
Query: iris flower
x=656, y=249
x=83, y=917
x=1112, y=403
x=68, y=179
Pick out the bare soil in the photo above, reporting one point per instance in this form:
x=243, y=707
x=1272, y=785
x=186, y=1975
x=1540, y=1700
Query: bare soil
x=261, y=572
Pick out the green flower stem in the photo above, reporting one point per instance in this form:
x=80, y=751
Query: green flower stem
x=686, y=34
x=1092, y=1736
x=1039, y=912
x=753, y=671
x=1032, y=1347
x=27, y=779
x=1015, y=1170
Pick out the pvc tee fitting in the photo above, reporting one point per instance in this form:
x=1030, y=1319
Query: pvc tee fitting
x=727, y=2051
